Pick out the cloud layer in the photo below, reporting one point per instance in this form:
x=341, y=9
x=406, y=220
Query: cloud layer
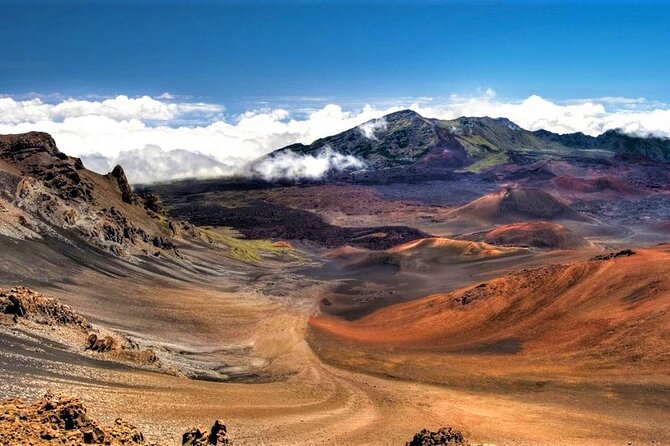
x=163, y=138
x=292, y=166
x=152, y=164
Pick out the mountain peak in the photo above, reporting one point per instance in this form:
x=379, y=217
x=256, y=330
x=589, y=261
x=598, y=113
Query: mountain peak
x=403, y=114
x=24, y=144
x=488, y=121
x=124, y=186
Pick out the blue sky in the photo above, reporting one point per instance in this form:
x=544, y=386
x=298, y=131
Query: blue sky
x=246, y=54
x=248, y=77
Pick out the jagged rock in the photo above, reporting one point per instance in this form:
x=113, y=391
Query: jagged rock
x=163, y=243
x=62, y=420
x=46, y=191
x=36, y=155
x=196, y=436
x=153, y=203
x=22, y=302
x=218, y=434
x=443, y=436
x=100, y=344
x=174, y=228
x=199, y=436
x=614, y=255
x=127, y=193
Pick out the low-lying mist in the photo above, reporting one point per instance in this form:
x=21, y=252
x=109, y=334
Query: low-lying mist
x=294, y=166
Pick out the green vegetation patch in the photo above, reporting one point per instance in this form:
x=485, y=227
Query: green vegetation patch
x=246, y=250
x=492, y=160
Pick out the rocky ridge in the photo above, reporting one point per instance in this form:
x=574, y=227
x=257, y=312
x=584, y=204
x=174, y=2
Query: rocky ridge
x=58, y=419
x=44, y=192
x=34, y=312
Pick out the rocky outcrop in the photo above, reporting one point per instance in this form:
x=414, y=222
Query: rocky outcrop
x=127, y=194
x=199, y=436
x=21, y=302
x=35, y=154
x=443, y=436
x=31, y=310
x=45, y=193
x=100, y=344
x=63, y=420
x=58, y=419
x=153, y=203
x=613, y=255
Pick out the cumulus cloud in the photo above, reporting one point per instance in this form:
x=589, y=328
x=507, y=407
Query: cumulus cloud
x=151, y=164
x=369, y=129
x=120, y=108
x=589, y=116
x=289, y=165
x=110, y=127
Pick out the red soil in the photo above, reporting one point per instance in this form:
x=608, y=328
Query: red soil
x=609, y=311
x=516, y=204
x=282, y=244
x=538, y=234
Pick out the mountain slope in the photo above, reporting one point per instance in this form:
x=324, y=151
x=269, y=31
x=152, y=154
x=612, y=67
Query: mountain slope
x=398, y=139
x=405, y=138
x=44, y=192
x=538, y=234
x=653, y=148
x=510, y=205
x=606, y=310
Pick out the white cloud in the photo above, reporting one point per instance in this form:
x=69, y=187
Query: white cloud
x=292, y=166
x=123, y=124
x=369, y=129
x=119, y=108
x=589, y=116
x=151, y=164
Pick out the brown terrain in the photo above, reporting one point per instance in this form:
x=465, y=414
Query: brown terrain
x=538, y=234
x=512, y=307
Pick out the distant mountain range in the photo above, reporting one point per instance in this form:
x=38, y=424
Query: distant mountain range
x=407, y=139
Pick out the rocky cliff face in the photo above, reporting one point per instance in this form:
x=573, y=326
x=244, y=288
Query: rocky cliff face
x=35, y=154
x=44, y=192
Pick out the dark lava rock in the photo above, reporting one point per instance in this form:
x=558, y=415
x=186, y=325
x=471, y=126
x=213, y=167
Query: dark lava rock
x=162, y=243
x=127, y=194
x=100, y=344
x=153, y=203
x=199, y=436
x=36, y=155
x=445, y=435
x=265, y=220
x=614, y=255
x=219, y=434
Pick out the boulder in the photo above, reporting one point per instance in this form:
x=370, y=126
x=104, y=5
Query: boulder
x=443, y=436
x=199, y=436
